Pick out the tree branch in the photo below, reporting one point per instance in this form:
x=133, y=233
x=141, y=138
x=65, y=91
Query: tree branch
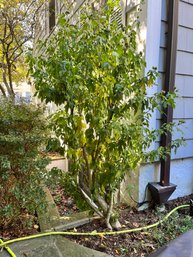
x=2, y=90
x=110, y=209
x=6, y=83
x=89, y=172
x=91, y=203
x=17, y=19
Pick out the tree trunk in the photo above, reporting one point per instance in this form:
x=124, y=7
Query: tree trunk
x=2, y=90
x=98, y=204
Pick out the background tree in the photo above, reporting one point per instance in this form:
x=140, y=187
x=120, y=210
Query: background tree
x=94, y=70
x=17, y=20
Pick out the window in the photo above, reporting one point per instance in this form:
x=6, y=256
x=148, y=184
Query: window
x=52, y=14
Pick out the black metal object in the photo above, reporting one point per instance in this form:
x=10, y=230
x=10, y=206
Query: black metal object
x=159, y=193
x=162, y=191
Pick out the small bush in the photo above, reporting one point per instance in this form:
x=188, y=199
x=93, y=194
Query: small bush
x=172, y=228
x=54, y=145
x=57, y=177
x=23, y=132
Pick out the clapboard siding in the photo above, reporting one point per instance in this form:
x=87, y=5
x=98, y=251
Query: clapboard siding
x=184, y=78
x=183, y=109
x=188, y=1
x=41, y=23
x=181, y=161
x=184, y=64
x=184, y=74
x=186, y=14
x=186, y=128
x=42, y=27
x=185, y=151
x=185, y=39
x=184, y=85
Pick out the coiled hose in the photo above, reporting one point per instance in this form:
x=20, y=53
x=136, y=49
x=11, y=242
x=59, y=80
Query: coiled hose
x=4, y=244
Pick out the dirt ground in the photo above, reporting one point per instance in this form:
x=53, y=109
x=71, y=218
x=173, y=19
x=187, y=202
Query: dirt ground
x=139, y=244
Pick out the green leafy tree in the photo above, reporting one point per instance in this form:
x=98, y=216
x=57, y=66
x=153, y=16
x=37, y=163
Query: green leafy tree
x=17, y=21
x=93, y=69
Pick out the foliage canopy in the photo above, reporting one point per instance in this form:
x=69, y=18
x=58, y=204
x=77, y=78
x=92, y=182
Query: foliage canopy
x=94, y=70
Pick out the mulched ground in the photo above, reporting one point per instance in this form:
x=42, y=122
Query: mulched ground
x=133, y=244
x=65, y=204
x=19, y=229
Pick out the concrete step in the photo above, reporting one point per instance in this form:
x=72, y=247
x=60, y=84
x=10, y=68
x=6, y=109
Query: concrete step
x=51, y=246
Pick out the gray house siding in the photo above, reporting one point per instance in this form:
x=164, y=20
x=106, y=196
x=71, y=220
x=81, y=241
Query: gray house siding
x=182, y=162
x=184, y=74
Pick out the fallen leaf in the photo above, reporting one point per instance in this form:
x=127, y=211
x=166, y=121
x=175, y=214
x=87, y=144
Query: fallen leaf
x=65, y=218
x=150, y=245
x=135, y=224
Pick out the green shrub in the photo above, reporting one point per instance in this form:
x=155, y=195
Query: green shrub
x=95, y=74
x=23, y=132
x=172, y=228
x=57, y=177
x=54, y=145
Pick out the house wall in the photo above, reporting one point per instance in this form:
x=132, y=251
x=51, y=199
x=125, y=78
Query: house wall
x=182, y=162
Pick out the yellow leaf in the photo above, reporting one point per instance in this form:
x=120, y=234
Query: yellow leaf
x=65, y=218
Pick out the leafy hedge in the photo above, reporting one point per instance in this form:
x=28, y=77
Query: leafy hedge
x=23, y=132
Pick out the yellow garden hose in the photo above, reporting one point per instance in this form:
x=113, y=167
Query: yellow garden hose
x=94, y=233
x=8, y=249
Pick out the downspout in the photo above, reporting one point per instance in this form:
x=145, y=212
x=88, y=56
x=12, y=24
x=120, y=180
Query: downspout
x=169, y=84
x=162, y=191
